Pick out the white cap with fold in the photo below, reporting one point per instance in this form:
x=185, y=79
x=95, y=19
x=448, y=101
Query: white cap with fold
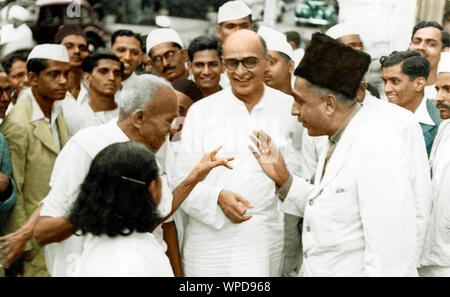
x=276, y=41
x=343, y=29
x=444, y=63
x=47, y=51
x=233, y=10
x=162, y=35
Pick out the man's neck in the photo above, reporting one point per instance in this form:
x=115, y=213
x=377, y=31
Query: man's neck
x=251, y=100
x=208, y=91
x=45, y=103
x=74, y=81
x=432, y=77
x=100, y=102
x=414, y=104
x=287, y=88
x=340, y=118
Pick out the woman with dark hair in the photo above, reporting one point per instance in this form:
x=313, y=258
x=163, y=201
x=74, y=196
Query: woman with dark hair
x=116, y=211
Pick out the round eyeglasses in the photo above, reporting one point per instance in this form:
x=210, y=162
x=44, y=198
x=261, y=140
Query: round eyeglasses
x=233, y=64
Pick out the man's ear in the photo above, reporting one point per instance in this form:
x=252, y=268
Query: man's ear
x=87, y=77
x=419, y=84
x=291, y=67
x=138, y=119
x=330, y=104
x=184, y=54
x=219, y=33
x=361, y=93
x=32, y=77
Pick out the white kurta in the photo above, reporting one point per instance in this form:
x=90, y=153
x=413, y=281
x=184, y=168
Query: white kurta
x=70, y=169
x=359, y=219
x=213, y=245
x=86, y=117
x=135, y=255
x=437, y=244
x=404, y=123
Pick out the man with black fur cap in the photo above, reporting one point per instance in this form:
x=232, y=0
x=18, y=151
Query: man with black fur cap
x=359, y=216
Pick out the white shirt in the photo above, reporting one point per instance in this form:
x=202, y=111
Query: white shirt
x=213, y=245
x=70, y=169
x=39, y=115
x=359, y=219
x=135, y=255
x=422, y=115
x=86, y=117
x=437, y=244
x=430, y=92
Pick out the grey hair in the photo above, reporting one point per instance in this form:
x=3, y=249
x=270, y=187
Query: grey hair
x=139, y=91
x=321, y=91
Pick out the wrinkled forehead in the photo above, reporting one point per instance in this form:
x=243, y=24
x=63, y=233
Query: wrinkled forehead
x=429, y=33
x=75, y=39
x=443, y=79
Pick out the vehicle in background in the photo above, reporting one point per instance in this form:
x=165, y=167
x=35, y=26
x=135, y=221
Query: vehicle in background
x=55, y=13
x=317, y=12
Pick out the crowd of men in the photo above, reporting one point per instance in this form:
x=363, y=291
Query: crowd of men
x=315, y=175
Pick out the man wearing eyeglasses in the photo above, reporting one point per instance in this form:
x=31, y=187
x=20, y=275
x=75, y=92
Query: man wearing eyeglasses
x=6, y=93
x=235, y=227
x=165, y=48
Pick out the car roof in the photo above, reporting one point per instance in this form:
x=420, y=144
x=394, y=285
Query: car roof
x=57, y=2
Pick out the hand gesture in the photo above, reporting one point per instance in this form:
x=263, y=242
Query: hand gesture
x=269, y=158
x=12, y=247
x=234, y=206
x=210, y=161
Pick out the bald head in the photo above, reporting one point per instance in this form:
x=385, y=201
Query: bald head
x=249, y=36
x=244, y=58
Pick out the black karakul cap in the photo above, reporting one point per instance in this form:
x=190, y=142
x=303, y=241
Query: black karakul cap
x=330, y=64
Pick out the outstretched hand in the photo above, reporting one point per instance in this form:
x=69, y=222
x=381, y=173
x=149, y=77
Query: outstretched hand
x=12, y=247
x=210, y=161
x=269, y=158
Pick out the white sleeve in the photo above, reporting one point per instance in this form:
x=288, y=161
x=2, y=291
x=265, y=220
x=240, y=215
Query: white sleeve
x=309, y=156
x=296, y=199
x=387, y=210
x=70, y=169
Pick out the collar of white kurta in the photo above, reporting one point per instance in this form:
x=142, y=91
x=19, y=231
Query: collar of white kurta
x=82, y=96
x=39, y=115
x=237, y=101
x=422, y=114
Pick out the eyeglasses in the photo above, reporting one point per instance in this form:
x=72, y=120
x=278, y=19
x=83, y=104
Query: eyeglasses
x=169, y=56
x=8, y=90
x=233, y=64
x=156, y=116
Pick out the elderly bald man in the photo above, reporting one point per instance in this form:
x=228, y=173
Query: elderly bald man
x=235, y=227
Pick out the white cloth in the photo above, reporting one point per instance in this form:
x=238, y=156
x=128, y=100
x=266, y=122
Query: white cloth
x=38, y=114
x=359, y=219
x=409, y=132
x=444, y=63
x=298, y=55
x=70, y=169
x=431, y=93
x=70, y=108
x=135, y=255
x=422, y=115
x=437, y=241
x=213, y=245
x=86, y=117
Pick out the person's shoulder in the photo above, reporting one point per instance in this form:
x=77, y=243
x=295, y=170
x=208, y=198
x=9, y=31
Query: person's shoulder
x=21, y=112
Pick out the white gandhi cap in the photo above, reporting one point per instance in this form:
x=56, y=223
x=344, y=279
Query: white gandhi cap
x=444, y=63
x=276, y=41
x=343, y=29
x=233, y=10
x=162, y=35
x=55, y=52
